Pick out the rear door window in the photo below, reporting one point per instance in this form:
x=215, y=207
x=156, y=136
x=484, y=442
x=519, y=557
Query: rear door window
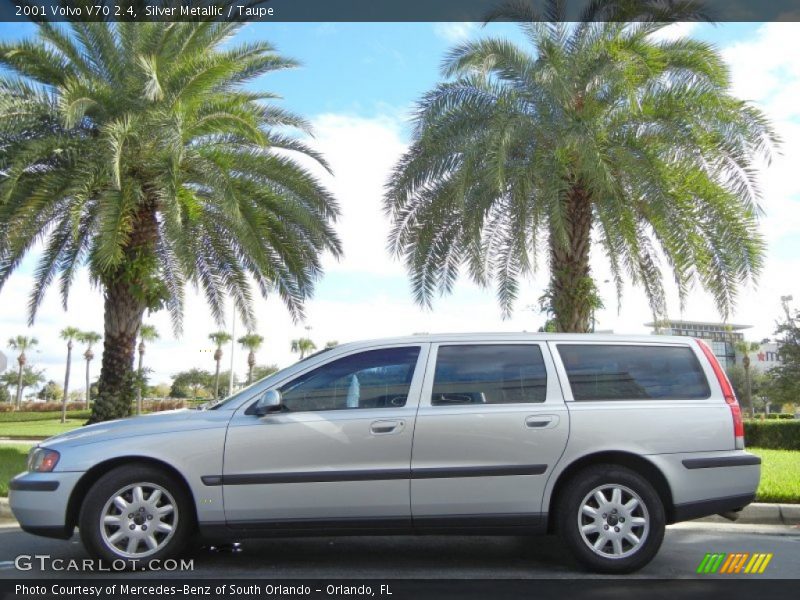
x=489, y=374
x=633, y=372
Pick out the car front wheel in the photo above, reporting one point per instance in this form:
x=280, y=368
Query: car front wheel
x=135, y=513
x=612, y=519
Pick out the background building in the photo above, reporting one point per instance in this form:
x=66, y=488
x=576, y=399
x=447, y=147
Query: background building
x=763, y=359
x=722, y=337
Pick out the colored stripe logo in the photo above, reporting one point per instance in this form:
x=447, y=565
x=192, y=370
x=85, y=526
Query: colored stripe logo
x=733, y=563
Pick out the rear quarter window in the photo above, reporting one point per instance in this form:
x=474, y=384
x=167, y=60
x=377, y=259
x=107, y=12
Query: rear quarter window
x=633, y=372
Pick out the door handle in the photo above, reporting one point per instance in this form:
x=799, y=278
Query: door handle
x=541, y=421
x=385, y=427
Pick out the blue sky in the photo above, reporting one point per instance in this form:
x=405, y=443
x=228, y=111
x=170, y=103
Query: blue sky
x=358, y=84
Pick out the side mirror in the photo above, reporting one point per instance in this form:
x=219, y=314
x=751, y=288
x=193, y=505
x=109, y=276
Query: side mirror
x=270, y=401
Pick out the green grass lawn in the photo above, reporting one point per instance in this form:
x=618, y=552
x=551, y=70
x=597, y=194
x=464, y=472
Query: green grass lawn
x=37, y=429
x=12, y=461
x=780, y=475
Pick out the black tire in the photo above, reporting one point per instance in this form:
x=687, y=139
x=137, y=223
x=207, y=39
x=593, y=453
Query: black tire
x=618, y=554
x=96, y=505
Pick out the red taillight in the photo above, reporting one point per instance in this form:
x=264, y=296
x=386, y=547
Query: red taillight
x=727, y=392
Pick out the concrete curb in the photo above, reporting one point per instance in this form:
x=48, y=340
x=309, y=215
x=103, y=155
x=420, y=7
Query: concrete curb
x=761, y=513
x=754, y=514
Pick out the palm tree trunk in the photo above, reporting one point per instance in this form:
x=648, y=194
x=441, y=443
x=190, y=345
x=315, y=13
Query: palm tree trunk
x=124, y=308
x=251, y=362
x=19, y=385
x=66, y=383
x=139, y=382
x=123, y=313
x=571, y=285
x=88, y=390
x=216, y=378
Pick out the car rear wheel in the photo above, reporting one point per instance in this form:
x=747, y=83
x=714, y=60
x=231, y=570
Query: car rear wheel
x=135, y=513
x=612, y=519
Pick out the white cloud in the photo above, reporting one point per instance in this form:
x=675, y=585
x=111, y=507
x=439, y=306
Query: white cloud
x=675, y=31
x=455, y=32
x=361, y=153
x=765, y=68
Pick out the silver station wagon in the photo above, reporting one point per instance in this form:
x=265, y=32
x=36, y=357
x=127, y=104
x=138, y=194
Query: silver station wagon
x=602, y=439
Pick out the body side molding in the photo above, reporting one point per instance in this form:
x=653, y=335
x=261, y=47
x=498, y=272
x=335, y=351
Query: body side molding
x=372, y=475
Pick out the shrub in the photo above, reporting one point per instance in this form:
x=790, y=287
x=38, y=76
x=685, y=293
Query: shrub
x=161, y=405
x=49, y=406
x=6, y=407
x=770, y=416
x=40, y=406
x=776, y=434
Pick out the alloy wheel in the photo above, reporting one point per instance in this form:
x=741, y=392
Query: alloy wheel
x=139, y=520
x=613, y=521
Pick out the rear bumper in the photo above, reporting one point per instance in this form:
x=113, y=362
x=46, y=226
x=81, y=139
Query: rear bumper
x=707, y=483
x=704, y=508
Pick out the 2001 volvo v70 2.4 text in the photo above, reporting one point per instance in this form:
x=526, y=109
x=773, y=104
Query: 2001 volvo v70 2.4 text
x=604, y=439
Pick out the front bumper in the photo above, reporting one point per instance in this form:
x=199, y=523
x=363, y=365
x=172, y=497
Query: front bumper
x=39, y=502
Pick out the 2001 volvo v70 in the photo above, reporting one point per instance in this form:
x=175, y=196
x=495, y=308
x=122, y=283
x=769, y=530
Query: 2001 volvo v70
x=604, y=439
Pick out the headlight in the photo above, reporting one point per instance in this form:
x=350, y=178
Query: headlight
x=42, y=460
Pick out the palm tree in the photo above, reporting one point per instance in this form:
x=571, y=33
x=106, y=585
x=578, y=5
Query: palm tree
x=31, y=377
x=303, y=346
x=220, y=338
x=745, y=348
x=140, y=151
x=600, y=132
x=147, y=333
x=69, y=334
x=21, y=344
x=90, y=338
x=251, y=342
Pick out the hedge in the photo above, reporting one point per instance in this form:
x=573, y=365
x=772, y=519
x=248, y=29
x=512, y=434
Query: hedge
x=776, y=434
x=42, y=406
x=20, y=416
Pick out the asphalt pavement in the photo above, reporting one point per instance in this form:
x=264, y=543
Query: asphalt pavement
x=459, y=557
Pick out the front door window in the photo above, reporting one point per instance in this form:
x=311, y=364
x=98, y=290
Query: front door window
x=371, y=379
